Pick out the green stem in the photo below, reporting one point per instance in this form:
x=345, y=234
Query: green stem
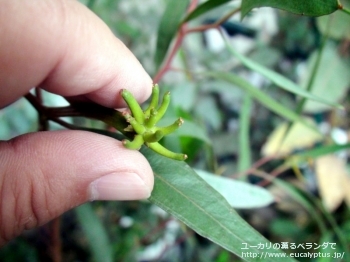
x=345, y=10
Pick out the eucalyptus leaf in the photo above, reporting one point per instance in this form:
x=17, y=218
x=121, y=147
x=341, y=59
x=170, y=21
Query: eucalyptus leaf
x=339, y=24
x=208, y=111
x=182, y=193
x=245, y=155
x=331, y=80
x=301, y=7
x=257, y=94
x=168, y=27
x=184, y=95
x=279, y=79
x=304, y=156
x=238, y=194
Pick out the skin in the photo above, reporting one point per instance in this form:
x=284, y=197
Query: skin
x=62, y=47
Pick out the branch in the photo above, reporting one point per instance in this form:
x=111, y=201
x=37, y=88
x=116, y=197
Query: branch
x=109, y=116
x=214, y=25
x=183, y=31
x=172, y=54
x=180, y=36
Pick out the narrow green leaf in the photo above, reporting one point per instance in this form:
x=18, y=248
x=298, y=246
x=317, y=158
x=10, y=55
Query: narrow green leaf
x=203, y=8
x=168, y=27
x=244, y=160
x=301, y=7
x=181, y=192
x=325, y=68
x=317, y=152
x=238, y=194
x=277, y=78
x=96, y=234
x=264, y=99
x=338, y=23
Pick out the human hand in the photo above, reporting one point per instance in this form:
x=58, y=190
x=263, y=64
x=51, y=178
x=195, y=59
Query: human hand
x=65, y=49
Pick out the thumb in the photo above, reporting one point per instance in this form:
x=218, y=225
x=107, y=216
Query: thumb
x=44, y=174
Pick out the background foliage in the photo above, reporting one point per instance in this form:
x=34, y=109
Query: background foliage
x=241, y=97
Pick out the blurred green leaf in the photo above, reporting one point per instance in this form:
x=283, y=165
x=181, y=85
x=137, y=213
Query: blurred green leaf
x=264, y=99
x=168, y=27
x=238, y=194
x=301, y=7
x=90, y=4
x=96, y=234
x=332, y=84
x=339, y=24
x=208, y=112
x=244, y=160
x=279, y=79
x=17, y=119
x=181, y=192
x=184, y=95
x=285, y=227
x=321, y=151
x=192, y=147
x=19, y=250
x=203, y=8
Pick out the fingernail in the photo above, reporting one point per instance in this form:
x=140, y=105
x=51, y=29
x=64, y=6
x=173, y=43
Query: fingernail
x=120, y=186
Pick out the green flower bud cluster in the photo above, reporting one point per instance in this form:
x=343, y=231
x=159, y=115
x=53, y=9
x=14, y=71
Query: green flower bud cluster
x=143, y=123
